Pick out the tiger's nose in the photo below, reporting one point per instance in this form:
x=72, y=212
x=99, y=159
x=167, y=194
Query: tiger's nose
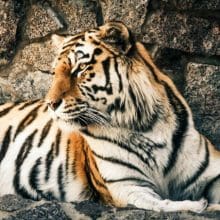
x=54, y=104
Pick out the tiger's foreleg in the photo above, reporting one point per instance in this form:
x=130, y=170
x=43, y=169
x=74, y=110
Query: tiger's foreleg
x=146, y=198
x=213, y=196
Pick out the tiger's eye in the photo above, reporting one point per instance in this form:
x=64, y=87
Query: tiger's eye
x=82, y=66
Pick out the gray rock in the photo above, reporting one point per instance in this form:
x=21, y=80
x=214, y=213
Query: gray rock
x=77, y=15
x=41, y=21
x=183, y=32
x=11, y=203
x=30, y=85
x=35, y=56
x=172, y=63
x=124, y=213
x=132, y=13
x=7, y=92
x=27, y=77
x=203, y=95
x=189, y=4
x=15, y=208
x=8, y=30
x=46, y=211
x=91, y=209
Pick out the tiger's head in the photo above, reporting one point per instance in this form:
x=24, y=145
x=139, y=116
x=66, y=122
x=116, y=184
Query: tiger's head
x=101, y=79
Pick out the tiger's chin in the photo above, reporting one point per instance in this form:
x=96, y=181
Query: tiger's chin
x=68, y=126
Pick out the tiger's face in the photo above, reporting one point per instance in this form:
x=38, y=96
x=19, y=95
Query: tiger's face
x=91, y=79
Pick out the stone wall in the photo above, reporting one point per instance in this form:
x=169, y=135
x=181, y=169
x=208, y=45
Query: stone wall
x=183, y=37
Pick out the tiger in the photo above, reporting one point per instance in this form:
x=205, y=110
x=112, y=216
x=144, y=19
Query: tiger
x=112, y=128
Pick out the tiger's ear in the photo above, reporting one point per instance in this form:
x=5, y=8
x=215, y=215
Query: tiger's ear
x=117, y=35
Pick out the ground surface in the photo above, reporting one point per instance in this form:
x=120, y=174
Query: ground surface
x=16, y=208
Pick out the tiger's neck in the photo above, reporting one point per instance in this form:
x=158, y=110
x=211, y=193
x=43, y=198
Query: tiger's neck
x=125, y=137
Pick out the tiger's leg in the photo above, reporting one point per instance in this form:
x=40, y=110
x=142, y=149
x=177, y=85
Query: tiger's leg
x=146, y=198
x=213, y=196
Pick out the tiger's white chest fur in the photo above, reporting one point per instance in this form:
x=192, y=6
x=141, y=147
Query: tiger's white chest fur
x=127, y=161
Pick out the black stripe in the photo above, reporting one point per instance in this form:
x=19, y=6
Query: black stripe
x=73, y=40
x=34, y=174
x=22, y=155
x=26, y=104
x=49, y=161
x=209, y=186
x=118, y=74
x=138, y=107
x=107, y=87
x=67, y=47
x=181, y=128
x=25, y=148
x=143, y=120
x=123, y=146
x=201, y=169
x=45, y=109
x=57, y=141
x=34, y=181
x=60, y=181
x=6, y=110
x=86, y=88
x=179, y=190
x=67, y=156
x=5, y=143
x=120, y=162
x=106, y=65
x=79, y=44
x=91, y=174
x=90, y=190
x=45, y=132
x=117, y=105
x=27, y=120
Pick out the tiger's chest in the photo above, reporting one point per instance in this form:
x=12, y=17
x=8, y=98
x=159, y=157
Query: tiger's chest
x=116, y=162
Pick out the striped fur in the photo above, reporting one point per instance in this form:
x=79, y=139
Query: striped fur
x=118, y=131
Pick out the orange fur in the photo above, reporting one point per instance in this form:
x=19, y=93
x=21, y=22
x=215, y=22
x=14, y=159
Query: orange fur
x=61, y=81
x=86, y=168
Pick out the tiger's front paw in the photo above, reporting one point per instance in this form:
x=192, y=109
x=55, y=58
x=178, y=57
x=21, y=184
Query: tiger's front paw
x=199, y=206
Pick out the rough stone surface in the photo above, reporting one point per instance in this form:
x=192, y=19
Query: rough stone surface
x=132, y=13
x=47, y=211
x=189, y=4
x=12, y=203
x=28, y=76
x=7, y=93
x=8, y=28
x=16, y=208
x=77, y=15
x=203, y=94
x=37, y=56
x=42, y=20
x=30, y=85
x=91, y=209
x=183, y=32
x=173, y=65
